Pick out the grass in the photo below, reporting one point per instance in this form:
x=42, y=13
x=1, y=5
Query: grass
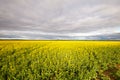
x=59, y=60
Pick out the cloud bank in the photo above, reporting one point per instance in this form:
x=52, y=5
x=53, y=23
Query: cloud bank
x=60, y=19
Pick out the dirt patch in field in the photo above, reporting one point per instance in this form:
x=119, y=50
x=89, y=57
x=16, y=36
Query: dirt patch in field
x=109, y=73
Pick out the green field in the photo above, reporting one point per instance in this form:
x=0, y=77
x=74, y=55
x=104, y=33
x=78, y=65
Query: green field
x=59, y=60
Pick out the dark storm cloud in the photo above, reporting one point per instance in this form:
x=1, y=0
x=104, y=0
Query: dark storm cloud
x=59, y=19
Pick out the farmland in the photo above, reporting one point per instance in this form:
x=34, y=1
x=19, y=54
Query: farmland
x=59, y=60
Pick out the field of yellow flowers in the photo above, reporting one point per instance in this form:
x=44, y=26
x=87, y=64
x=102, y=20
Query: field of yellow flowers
x=59, y=60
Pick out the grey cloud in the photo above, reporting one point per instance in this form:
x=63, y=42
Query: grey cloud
x=57, y=19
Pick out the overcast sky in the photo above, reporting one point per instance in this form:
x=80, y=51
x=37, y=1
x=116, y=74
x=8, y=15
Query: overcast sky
x=60, y=19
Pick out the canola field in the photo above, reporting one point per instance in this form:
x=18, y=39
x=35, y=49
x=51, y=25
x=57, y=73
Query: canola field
x=59, y=60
